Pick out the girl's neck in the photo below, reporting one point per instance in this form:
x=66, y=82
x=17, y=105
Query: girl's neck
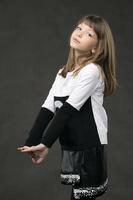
x=78, y=53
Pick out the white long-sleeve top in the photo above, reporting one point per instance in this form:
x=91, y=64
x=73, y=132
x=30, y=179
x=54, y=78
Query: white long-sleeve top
x=81, y=94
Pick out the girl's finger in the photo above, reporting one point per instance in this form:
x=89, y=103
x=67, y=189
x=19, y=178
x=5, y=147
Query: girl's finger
x=39, y=147
x=23, y=148
x=38, y=161
x=19, y=148
x=33, y=160
x=30, y=149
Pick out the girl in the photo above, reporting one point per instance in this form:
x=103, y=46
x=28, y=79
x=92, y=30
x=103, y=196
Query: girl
x=73, y=110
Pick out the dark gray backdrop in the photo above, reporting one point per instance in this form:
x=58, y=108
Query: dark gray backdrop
x=33, y=45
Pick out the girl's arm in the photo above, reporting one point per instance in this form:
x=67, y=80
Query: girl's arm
x=44, y=116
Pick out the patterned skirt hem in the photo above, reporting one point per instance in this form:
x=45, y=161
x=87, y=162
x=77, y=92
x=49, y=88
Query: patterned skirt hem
x=90, y=192
x=78, y=192
x=70, y=179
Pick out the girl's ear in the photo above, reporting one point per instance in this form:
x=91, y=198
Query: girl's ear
x=93, y=50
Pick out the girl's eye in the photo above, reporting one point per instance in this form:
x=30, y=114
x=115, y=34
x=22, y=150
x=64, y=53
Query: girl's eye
x=78, y=27
x=89, y=34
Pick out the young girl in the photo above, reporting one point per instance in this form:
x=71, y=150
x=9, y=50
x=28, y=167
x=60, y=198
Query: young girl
x=73, y=110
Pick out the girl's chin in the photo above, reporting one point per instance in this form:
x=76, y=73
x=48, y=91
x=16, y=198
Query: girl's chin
x=74, y=47
x=74, y=44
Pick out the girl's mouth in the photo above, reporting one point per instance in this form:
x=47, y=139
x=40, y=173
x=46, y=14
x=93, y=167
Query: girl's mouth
x=75, y=40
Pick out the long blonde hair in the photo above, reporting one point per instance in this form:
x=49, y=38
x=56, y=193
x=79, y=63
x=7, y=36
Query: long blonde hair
x=104, y=56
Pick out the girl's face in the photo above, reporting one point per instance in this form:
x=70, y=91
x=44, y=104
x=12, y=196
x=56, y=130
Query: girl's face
x=83, y=39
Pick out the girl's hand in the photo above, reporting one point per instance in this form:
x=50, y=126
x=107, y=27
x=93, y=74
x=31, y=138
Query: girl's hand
x=24, y=148
x=37, y=152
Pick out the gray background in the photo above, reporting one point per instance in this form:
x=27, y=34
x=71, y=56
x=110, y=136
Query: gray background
x=33, y=45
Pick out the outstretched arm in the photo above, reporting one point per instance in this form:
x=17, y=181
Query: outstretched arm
x=44, y=116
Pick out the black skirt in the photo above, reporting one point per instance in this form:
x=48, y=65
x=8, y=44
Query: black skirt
x=85, y=170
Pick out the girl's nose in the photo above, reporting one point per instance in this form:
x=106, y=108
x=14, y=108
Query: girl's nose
x=80, y=34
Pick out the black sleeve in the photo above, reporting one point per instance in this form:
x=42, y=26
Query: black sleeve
x=58, y=123
x=43, y=118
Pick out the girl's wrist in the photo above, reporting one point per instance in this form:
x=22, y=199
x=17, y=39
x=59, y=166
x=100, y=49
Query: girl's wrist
x=44, y=146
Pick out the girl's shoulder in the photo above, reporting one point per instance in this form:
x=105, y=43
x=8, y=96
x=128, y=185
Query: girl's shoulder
x=90, y=69
x=95, y=68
